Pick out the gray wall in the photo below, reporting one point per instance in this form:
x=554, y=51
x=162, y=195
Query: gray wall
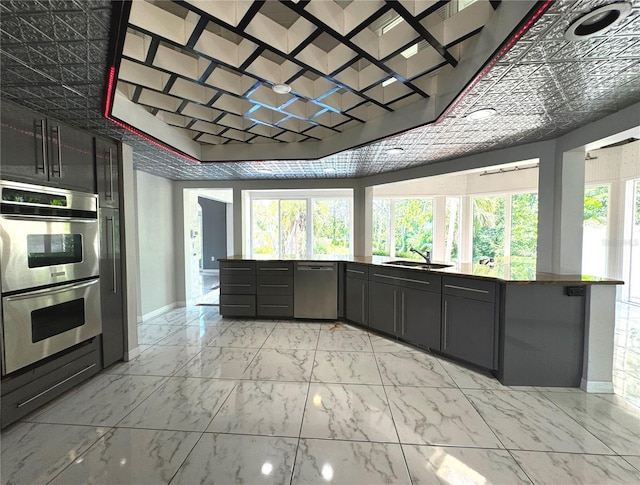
x=214, y=232
x=157, y=256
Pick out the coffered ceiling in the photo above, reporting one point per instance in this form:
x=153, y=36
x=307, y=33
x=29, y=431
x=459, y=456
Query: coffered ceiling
x=197, y=76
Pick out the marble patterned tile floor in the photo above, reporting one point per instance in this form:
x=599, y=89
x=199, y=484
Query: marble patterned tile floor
x=212, y=400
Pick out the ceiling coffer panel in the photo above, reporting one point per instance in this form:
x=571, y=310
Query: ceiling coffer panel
x=542, y=87
x=339, y=65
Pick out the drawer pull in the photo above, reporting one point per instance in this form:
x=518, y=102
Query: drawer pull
x=401, y=279
x=274, y=269
x=244, y=285
x=354, y=271
x=236, y=305
x=274, y=286
x=274, y=306
x=24, y=403
x=236, y=269
x=476, y=290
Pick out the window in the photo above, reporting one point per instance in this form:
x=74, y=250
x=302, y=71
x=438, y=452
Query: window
x=299, y=227
x=524, y=227
x=452, y=229
x=401, y=224
x=413, y=226
x=594, y=230
x=381, y=227
x=505, y=228
x=331, y=226
x=488, y=227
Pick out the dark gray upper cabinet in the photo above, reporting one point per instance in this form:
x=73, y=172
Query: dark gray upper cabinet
x=111, y=287
x=107, y=169
x=39, y=150
x=357, y=293
x=24, y=145
x=406, y=304
x=469, y=323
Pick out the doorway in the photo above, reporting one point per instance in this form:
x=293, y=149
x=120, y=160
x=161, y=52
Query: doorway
x=208, y=216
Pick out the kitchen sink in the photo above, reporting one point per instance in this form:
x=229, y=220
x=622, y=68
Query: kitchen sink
x=419, y=264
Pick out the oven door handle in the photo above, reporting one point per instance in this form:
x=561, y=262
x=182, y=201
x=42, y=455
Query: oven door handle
x=52, y=291
x=25, y=217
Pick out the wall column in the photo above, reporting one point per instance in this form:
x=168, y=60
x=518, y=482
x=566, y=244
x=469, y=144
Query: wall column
x=560, y=211
x=439, y=225
x=362, y=205
x=238, y=224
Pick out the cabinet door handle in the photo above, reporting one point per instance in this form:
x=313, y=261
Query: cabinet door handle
x=59, y=138
x=465, y=288
x=401, y=279
x=402, y=319
x=114, y=279
x=362, y=299
x=110, y=176
x=394, y=310
x=44, y=149
x=354, y=271
x=444, y=327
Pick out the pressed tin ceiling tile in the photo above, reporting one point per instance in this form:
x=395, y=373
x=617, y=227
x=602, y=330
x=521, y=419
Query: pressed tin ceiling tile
x=542, y=87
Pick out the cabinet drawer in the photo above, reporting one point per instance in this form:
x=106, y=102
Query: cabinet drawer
x=268, y=268
x=275, y=285
x=469, y=288
x=275, y=306
x=419, y=280
x=360, y=271
x=237, y=284
x=237, y=267
x=238, y=305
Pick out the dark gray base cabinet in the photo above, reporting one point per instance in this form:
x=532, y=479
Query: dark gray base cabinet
x=382, y=307
x=468, y=330
x=27, y=391
x=111, y=287
x=238, y=288
x=357, y=300
x=410, y=314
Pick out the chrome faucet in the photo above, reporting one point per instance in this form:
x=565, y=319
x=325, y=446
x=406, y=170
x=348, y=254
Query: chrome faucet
x=427, y=257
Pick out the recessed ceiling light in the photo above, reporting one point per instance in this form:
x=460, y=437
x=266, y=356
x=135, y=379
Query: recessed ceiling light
x=391, y=80
x=395, y=150
x=597, y=21
x=410, y=51
x=281, y=88
x=482, y=114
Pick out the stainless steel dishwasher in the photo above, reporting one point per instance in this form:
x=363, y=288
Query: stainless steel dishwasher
x=315, y=290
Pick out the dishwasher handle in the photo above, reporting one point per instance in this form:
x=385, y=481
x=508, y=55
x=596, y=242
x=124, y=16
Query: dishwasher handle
x=316, y=267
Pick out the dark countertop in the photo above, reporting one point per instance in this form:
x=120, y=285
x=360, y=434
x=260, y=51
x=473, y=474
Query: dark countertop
x=513, y=272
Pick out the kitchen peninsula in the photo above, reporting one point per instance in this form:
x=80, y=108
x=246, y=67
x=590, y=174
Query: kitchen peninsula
x=526, y=328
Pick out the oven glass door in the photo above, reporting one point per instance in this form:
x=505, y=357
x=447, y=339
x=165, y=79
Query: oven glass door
x=43, y=252
x=40, y=323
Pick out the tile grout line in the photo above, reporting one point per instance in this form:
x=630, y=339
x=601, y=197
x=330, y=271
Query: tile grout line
x=304, y=410
x=393, y=420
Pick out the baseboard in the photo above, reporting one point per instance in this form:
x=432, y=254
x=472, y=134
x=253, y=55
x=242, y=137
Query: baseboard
x=131, y=354
x=156, y=313
x=596, y=387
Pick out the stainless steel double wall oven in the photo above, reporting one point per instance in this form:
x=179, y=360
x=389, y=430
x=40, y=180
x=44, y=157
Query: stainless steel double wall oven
x=49, y=263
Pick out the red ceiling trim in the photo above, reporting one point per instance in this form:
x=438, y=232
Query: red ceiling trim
x=514, y=38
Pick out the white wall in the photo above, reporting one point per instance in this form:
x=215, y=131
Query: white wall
x=156, y=230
